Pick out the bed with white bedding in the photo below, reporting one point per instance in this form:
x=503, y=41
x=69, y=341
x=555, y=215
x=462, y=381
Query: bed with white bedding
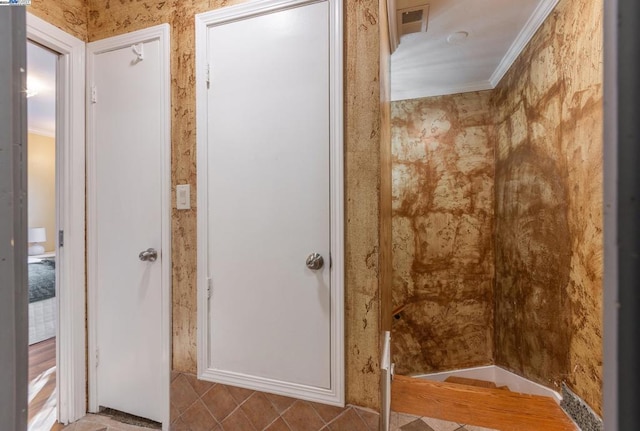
x=43, y=310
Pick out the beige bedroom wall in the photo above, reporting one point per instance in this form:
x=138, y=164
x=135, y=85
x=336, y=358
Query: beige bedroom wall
x=41, y=168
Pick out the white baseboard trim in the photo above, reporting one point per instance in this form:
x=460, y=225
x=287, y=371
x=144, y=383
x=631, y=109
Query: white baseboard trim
x=500, y=377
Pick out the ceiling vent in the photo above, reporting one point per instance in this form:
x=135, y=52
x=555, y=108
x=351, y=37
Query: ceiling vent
x=406, y=16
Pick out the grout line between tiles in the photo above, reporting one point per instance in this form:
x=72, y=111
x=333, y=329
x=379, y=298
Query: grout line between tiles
x=285, y=421
x=187, y=408
x=338, y=417
x=361, y=418
x=272, y=422
x=246, y=399
x=318, y=414
x=324, y=424
x=230, y=413
x=283, y=411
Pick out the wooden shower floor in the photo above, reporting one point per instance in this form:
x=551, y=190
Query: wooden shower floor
x=486, y=407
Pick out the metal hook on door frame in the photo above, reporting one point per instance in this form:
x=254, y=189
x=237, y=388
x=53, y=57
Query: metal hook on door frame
x=138, y=50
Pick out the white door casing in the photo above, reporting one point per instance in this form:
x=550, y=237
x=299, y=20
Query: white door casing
x=70, y=217
x=270, y=192
x=129, y=211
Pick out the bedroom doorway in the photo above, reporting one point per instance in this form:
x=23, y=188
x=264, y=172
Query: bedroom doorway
x=43, y=273
x=65, y=241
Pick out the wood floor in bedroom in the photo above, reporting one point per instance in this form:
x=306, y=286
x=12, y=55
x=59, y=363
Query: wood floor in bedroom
x=42, y=386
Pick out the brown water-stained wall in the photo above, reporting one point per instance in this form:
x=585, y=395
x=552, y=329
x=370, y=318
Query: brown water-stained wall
x=544, y=122
x=548, y=317
x=362, y=173
x=443, y=262
x=68, y=15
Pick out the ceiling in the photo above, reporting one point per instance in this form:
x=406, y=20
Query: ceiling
x=423, y=65
x=426, y=64
x=41, y=80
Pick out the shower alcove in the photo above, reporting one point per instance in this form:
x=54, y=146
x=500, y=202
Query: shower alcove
x=497, y=223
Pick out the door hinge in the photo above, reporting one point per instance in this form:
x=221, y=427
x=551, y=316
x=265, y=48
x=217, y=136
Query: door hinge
x=94, y=94
x=208, y=76
x=209, y=287
x=97, y=357
x=60, y=238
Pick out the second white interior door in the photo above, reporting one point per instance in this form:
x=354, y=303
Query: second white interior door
x=269, y=200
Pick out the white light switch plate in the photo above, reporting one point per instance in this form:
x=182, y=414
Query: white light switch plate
x=183, y=196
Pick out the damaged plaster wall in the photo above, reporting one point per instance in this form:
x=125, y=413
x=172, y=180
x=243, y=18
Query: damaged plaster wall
x=535, y=307
x=443, y=187
x=549, y=205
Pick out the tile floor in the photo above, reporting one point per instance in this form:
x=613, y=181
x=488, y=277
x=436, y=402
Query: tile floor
x=405, y=422
x=197, y=405
x=102, y=423
x=202, y=406
x=399, y=422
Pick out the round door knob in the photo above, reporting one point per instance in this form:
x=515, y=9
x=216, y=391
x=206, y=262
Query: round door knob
x=315, y=261
x=148, y=255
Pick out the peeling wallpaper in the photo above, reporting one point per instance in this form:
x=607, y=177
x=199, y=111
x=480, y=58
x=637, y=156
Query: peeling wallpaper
x=535, y=307
x=443, y=179
x=549, y=255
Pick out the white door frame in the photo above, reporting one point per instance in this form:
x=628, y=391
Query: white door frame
x=160, y=33
x=336, y=394
x=70, y=203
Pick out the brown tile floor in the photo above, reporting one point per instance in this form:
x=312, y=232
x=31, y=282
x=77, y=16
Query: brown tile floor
x=197, y=405
x=203, y=406
x=405, y=422
x=345, y=422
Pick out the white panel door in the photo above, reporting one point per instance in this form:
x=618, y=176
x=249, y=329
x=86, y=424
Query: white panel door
x=127, y=194
x=268, y=194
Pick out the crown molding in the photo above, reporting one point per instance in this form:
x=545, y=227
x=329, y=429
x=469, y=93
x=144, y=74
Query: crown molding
x=537, y=18
x=423, y=92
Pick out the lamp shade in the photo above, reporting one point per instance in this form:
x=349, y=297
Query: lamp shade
x=37, y=234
